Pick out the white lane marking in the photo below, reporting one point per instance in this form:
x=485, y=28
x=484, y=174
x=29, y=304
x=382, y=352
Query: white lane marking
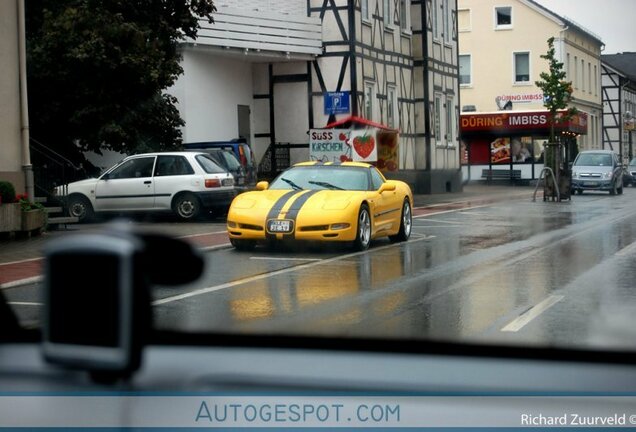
x=523, y=319
x=445, y=222
x=203, y=234
x=626, y=250
x=422, y=236
x=18, y=303
x=20, y=282
x=450, y=211
x=215, y=247
x=21, y=261
x=284, y=259
x=268, y=275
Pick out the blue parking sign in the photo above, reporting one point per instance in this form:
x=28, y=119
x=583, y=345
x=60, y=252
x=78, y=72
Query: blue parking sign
x=337, y=102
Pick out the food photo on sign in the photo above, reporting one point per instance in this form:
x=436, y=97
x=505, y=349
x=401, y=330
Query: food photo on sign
x=500, y=150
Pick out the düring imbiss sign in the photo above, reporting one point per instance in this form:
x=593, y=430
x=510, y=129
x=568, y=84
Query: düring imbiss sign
x=510, y=121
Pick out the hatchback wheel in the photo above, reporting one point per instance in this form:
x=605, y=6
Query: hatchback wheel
x=80, y=207
x=186, y=206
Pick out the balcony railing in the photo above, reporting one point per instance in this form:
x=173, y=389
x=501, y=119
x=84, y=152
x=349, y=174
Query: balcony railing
x=262, y=31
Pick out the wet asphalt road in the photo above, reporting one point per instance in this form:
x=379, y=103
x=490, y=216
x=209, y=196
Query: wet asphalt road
x=515, y=272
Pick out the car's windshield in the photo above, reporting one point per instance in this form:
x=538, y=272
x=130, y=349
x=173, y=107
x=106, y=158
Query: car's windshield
x=323, y=177
x=414, y=169
x=594, y=159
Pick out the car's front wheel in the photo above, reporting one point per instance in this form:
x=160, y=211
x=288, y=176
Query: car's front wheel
x=406, y=223
x=80, y=207
x=363, y=237
x=186, y=206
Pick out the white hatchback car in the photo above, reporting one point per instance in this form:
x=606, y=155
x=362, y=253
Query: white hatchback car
x=182, y=182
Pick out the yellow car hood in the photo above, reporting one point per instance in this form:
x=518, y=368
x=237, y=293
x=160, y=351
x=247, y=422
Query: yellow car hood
x=315, y=199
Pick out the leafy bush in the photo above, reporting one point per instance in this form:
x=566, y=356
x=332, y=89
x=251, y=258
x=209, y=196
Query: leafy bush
x=7, y=192
x=26, y=205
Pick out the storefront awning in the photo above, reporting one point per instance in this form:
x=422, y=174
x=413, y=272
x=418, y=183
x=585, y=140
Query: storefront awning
x=353, y=122
x=520, y=123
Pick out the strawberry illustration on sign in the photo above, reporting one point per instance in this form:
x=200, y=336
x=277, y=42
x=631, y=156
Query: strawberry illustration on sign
x=364, y=146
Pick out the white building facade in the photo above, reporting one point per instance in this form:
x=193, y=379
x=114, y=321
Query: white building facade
x=262, y=70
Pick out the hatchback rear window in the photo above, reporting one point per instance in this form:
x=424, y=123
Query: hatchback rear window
x=208, y=165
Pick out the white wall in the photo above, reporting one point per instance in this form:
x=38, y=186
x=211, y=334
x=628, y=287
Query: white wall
x=209, y=91
x=10, y=142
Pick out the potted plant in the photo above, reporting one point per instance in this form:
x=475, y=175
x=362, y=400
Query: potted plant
x=10, y=212
x=33, y=215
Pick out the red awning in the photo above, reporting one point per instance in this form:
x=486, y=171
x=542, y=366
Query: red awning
x=357, y=122
x=519, y=122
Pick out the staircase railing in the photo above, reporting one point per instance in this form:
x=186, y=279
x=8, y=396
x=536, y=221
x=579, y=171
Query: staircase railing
x=51, y=169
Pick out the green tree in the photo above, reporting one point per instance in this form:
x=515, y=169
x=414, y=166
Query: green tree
x=97, y=71
x=557, y=95
x=557, y=92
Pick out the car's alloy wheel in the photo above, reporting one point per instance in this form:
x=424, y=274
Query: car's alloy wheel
x=406, y=223
x=80, y=208
x=187, y=206
x=363, y=238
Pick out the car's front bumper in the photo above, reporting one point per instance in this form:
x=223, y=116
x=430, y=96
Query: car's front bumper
x=600, y=184
x=250, y=228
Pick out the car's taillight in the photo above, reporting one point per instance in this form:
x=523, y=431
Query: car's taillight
x=212, y=183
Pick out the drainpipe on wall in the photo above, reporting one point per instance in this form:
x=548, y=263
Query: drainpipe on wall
x=24, y=106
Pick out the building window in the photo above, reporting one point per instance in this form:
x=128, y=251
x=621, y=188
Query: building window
x=365, y=9
x=438, y=119
x=596, y=85
x=446, y=16
x=368, y=100
x=463, y=20
x=576, y=72
x=449, y=122
x=568, y=65
x=435, y=17
x=465, y=76
x=582, y=75
x=391, y=110
x=387, y=12
x=503, y=17
x=589, y=77
x=522, y=67
x=405, y=15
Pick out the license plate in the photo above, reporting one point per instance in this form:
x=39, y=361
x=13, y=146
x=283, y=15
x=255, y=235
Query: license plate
x=591, y=184
x=280, y=226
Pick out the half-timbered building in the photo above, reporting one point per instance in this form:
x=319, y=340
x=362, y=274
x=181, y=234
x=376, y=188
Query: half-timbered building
x=618, y=78
x=264, y=69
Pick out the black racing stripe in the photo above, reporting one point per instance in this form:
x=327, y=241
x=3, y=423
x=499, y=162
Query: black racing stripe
x=294, y=209
x=276, y=208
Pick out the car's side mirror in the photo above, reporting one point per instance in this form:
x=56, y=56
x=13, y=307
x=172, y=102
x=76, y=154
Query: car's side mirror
x=387, y=186
x=261, y=186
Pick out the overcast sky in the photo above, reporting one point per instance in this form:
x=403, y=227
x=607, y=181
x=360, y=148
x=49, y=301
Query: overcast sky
x=613, y=20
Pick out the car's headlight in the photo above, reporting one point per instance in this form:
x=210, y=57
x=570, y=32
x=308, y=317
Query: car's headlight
x=607, y=175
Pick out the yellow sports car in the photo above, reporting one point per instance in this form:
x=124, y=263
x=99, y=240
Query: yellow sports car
x=344, y=202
